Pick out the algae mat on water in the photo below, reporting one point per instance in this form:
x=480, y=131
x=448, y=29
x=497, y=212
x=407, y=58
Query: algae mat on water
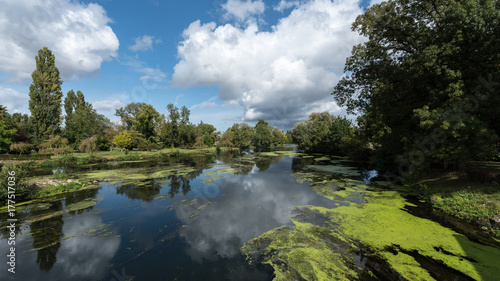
x=413, y=247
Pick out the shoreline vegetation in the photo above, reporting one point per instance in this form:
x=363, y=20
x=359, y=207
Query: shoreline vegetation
x=30, y=188
x=472, y=197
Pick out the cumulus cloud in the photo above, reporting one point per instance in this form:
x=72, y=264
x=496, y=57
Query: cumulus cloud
x=280, y=75
x=13, y=100
x=144, y=43
x=78, y=34
x=109, y=105
x=242, y=10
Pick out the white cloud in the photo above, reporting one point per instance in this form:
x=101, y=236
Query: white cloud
x=206, y=104
x=77, y=34
x=13, y=100
x=151, y=76
x=282, y=75
x=109, y=105
x=284, y=5
x=144, y=43
x=242, y=10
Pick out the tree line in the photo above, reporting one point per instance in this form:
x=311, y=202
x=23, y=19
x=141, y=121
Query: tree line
x=426, y=83
x=142, y=126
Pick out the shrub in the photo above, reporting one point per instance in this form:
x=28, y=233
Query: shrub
x=21, y=148
x=89, y=145
x=23, y=190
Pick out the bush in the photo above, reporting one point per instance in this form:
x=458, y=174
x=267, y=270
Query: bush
x=23, y=190
x=142, y=146
x=21, y=148
x=68, y=161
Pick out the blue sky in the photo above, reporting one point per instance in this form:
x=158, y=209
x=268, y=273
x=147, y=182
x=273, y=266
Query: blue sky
x=227, y=60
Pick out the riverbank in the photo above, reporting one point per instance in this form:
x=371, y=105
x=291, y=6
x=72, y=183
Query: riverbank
x=30, y=187
x=472, y=196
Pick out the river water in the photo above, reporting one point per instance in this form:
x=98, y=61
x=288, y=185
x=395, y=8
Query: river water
x=187, y=218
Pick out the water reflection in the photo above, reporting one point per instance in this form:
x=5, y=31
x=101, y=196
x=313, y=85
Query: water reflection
x=246, y=207
x=47, y=235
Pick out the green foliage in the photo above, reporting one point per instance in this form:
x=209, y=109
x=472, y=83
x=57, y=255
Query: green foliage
x=469, y=206
x=21, y=148
x=45, y=97
x=128, y=114
x=6, y=135
x=227, y=139
x=326, y=133
x=89, y=145
x=81, y=120
x=18, y=172
x=425, y=81
x=55, y=145
x=147, y=120
x=242, y=135
x=263, y=136
x=123, y=140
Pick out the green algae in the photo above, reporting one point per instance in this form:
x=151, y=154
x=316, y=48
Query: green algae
x=137, y=174
x=83, y=204
x=381, y=225
x=221, y=171
x=302, y=252
x=335, y=169
x=212, y=179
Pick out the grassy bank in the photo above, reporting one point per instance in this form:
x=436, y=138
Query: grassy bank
x=472, y=195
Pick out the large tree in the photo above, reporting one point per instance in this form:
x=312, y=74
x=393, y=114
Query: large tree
x=82, y=120
x=147, y=120
x=423, y=81
x=263, y=135
x=7, y=131
x=45, y=97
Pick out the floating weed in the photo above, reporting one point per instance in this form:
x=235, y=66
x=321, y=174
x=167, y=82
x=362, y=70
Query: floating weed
x=86, y=203
x=221, y=171
x=336, y=169
x=212, y=179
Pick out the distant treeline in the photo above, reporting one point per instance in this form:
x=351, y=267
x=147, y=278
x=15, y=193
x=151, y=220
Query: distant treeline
x=142, y=126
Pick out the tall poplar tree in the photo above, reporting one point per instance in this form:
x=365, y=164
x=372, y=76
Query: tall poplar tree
x=45, y=97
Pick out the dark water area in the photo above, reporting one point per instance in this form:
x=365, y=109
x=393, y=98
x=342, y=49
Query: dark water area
x=185, y=226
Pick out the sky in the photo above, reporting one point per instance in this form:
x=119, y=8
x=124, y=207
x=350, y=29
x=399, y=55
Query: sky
x=228, y=61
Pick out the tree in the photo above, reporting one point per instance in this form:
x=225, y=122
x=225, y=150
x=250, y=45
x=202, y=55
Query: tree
x=123, y=140
x=422, y=77
x=7, y=131
x=89, y=145
x=242, y=135
x=55, y=144
x=263, y=136
x=129, y=113
x=21, y=148
x=170, y=129
x=279, y=137
x=45, y=97
x=147, y=120
x=227, y=139
x=82, y=120
x=301, y=134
